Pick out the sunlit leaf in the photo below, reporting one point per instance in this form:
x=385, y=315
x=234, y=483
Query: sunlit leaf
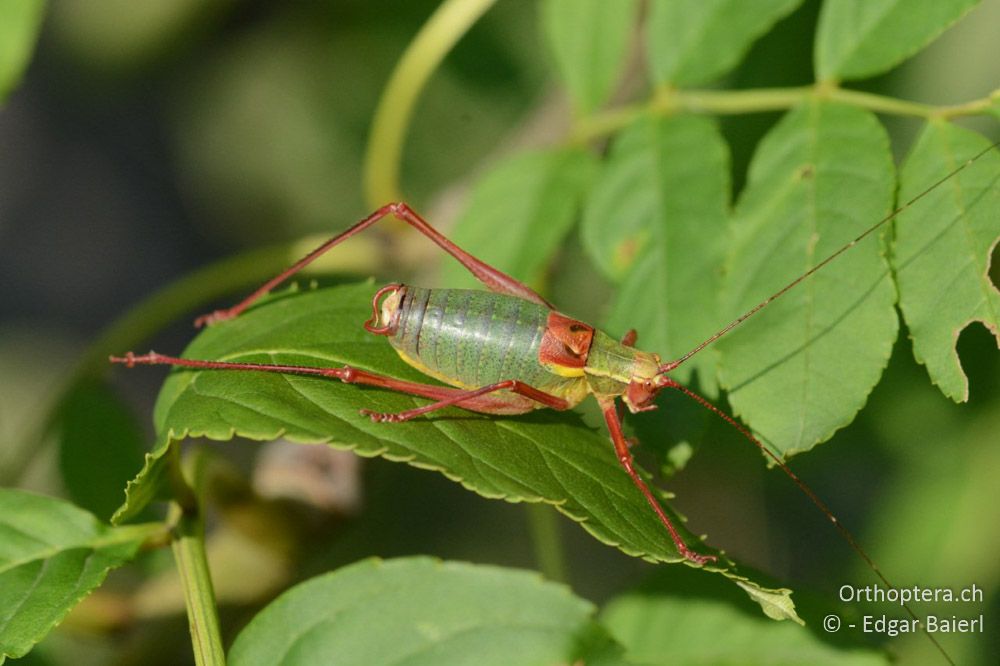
x=693, y=42
x=857, y=39
x=589, y=40
x=804, y=365
x=52, y=555
x=416, y=611
x=943, y=246
x=664, y=196
x=520, y=212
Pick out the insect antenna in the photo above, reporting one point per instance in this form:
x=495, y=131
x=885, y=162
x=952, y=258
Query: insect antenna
x=813, y=497
x=888, y=218
x=669, y=383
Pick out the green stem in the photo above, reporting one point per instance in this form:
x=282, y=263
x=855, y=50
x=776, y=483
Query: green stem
x=199, y=597
x=883, y=104
x=973, y=108
x=730, y=102
x=443, y=29
x=667, y=101
x=192, y=563
x=543, y=524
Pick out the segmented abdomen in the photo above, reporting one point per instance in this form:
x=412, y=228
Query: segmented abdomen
x=473, y=338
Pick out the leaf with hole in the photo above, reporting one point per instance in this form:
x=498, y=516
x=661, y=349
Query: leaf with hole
x=943, y=247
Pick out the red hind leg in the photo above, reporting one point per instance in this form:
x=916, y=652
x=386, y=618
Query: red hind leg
x=461, y=398
x=524, y=398
x=494, y=279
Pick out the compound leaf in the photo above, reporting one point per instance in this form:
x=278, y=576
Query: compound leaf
x=656, y=221
x=857, y=39
x=693, y=42
x=520, y=212
x=589, y=40
x=804, y=365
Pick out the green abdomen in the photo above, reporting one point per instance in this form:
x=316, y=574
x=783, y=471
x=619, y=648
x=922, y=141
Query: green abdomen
x=473, y=338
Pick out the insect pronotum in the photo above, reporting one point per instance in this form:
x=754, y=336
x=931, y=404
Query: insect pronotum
x=554, y=361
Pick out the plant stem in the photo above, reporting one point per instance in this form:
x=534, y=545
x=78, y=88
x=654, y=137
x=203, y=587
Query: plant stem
x=192, y=563
x=203, y=619
x=883, y=104
x=443, y=29
x=543, y=524
x=667, y=101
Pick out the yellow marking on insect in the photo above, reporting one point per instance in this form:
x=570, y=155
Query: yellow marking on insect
x=564, y=370
x=416, y=363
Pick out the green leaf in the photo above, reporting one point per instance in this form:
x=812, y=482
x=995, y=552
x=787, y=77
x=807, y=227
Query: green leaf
x=689, y=620
x=664, y=195
x=20, y=21
x=589, y=40
x=943, y=246
x=100, y=446
x=543, y=456
x=414, y=611
x=520, y=212
x=540, y=457
x=693, y=42
x=52, y=555
x=857, y=39
x=804, y=365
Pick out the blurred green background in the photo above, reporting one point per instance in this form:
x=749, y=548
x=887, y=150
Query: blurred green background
x=149, y=139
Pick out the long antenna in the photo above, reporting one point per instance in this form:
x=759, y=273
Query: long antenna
x=669, y=383
x=820, y=504
x=760, y=306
